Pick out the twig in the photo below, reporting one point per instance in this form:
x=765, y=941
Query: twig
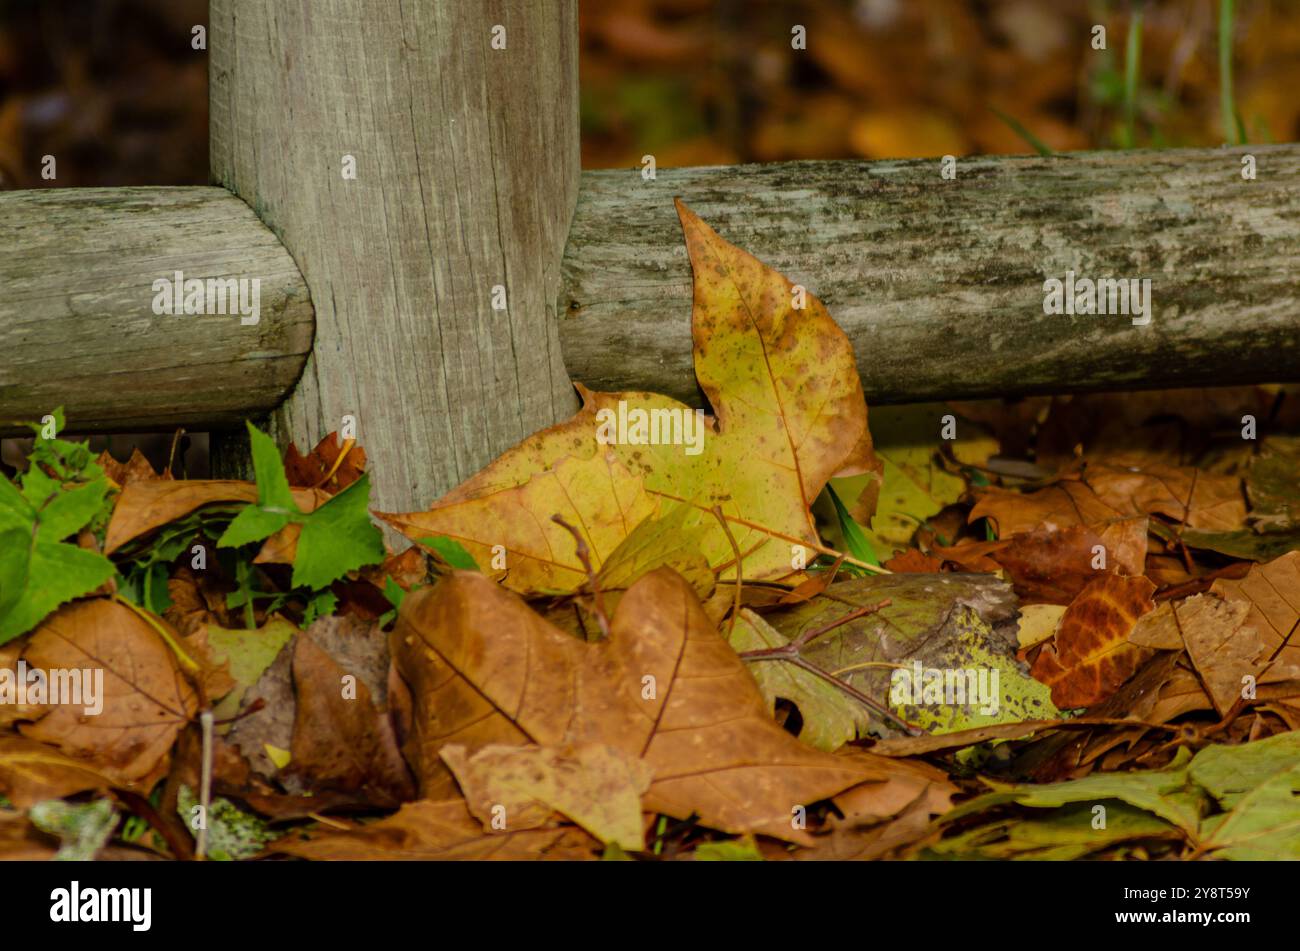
x=205, y=784
x=807, y=637
x=790, y=653
x=740, y=581
x=584, y=556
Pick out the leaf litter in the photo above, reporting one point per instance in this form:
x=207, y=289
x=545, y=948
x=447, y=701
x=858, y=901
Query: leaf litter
x=657, y=633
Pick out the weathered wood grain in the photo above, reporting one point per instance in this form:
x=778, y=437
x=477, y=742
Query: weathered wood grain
x=77, y=325
x=939, y=284
x=466, y=176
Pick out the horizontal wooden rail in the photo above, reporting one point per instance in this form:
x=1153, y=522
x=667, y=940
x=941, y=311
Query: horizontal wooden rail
x=940, y=283
x=78, y=301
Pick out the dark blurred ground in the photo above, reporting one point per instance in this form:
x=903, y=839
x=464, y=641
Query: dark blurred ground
x=115, y=91
x=716, y=81
x=111, y=88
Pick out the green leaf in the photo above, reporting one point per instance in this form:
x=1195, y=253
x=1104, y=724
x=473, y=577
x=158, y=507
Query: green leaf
x=252, y=524
x=49, y=574
x=69, y=511
x=831, y=717
x=394, y=592
x=250, y=653
x=275, y=506
x=1229, y=773
x=273, y=492
x=451, y=551
x=854, y=538
x=947, y=623
x=744, y=849
x=37, y=571
x=1167, y=793
x=337, y=538
x=1064, y=834
x=321, y=604
x=1273, y=485
x=1245, y=544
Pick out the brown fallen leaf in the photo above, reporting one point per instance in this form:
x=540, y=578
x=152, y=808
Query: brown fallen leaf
x=146, y=699
x=1184, y=494
x=1065, y=504
x=878, y=818
x=1091, y=655
x=1223, y=652
x=145, y=506
x=135, y=469
x=1051, y=565
x=20, y=841
x=789, y=414
x=521, y=787
x=1157, y=629
x=913, y=561
x=665, y=687
x=32, y=771
x=340, y=740
x=311, y=471
x=427, y=830
x=11, y=711
x=1273, y=592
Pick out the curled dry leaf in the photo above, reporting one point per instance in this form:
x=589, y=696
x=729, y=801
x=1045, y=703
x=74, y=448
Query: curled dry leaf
x=424, y=831
x=31, y=772
x=1092, y=655
x=665, y=688
x=789, y=414
x=145, y=506
x=598, y=787
x=146, y=699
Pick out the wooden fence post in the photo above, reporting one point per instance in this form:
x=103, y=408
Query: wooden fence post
x=420, y=163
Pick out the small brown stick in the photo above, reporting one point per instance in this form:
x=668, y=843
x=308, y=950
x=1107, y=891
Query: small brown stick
x=584, y=556
x=807, y=637
x=171, y=453
x=735, y=601
x=790, y=653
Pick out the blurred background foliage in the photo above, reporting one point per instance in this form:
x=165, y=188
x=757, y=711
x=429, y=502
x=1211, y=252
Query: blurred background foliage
x=115, y=91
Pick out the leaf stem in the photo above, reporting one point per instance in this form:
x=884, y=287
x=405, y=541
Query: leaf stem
x=584, y=556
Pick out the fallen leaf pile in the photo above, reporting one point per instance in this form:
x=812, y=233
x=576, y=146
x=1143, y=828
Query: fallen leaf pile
x=1058, y=628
